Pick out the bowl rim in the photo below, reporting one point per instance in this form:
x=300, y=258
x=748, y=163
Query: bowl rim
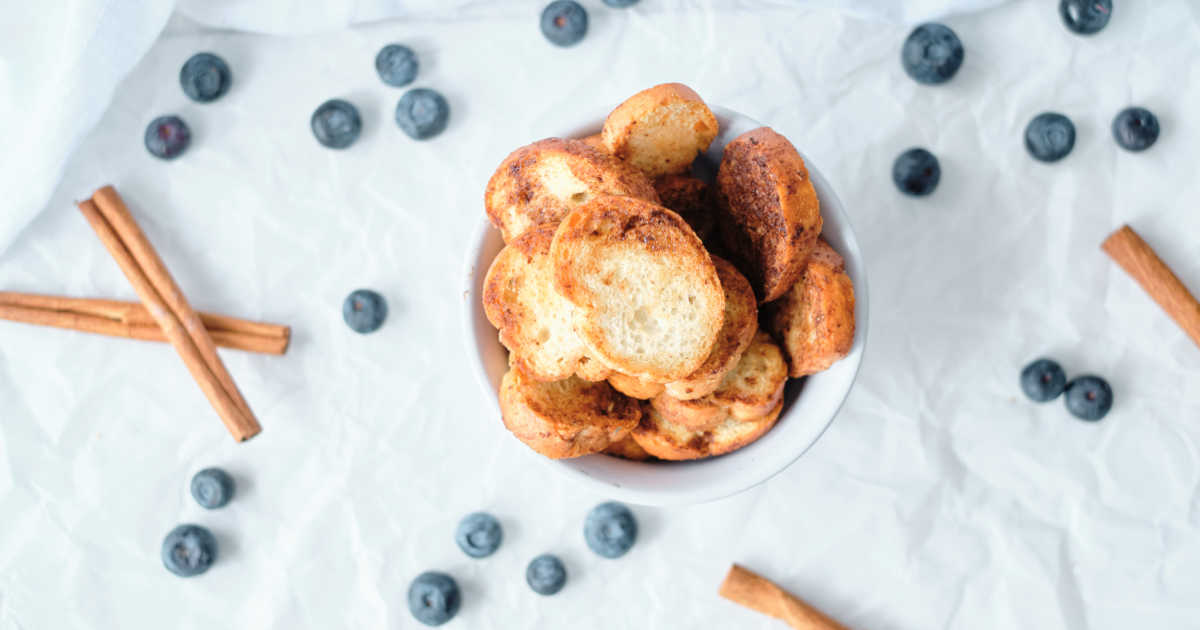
x=474, y=272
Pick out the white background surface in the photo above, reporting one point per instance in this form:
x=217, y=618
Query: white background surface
x=938, y=498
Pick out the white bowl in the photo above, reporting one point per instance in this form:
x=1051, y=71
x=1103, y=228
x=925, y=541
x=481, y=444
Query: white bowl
x=809, y=404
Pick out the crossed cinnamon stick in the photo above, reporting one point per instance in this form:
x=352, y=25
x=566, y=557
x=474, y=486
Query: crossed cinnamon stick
x=163, y=314
x=128, y=245
x=131, y=320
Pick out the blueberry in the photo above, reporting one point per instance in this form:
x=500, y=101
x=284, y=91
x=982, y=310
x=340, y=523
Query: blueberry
x=1135, y=129
x=546, y=574
x=564, y=22
x=610, y=529
x=336, y=124
x=1089, y=397
x=1049, y=137
x=1085, y=17
x=433, y=598
x=479, y=535
x=422, y=113
x=189, y=550
x=1043, y=380
x=205, y=77
x=167, y=137
x=364, y=311
x=212, y=488
x=396, y=65
x=620, y=4
x=931, y=54
x=916, y=172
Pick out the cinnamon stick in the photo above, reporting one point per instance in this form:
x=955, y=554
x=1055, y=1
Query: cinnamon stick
x=1140, y=261
x=131, y=319
x=240, y=423
x=745, y=587
x=117, y=214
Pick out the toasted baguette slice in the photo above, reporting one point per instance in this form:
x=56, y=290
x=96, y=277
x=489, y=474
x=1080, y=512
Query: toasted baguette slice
x=540, y=183
x=691, y=199
x=536, y=324
x=814, y=320
x=567, y=418
x=666, y=440
x=660, y=130
x=628, y=448
x=767, y=210
x=737, y=330
x=648, y=301
x=748, y=391
x=756, y=384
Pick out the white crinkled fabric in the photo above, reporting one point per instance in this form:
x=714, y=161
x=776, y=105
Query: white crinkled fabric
x=939, y=497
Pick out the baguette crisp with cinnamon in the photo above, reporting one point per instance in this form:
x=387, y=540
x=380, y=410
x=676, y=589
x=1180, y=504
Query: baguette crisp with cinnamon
x=767, y=209
x=540, y=183
x=660, y=130
x=648, y=301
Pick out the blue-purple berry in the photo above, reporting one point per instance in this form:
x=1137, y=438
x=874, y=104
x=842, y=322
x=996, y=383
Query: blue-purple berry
x=1043, y=380
x=364, y=311
x=1049, y=137
x=1089, y=397
x=422, y=113
x=434, y=598
x=932, y=54
x=205, y=77
x=916, y=172
x=1085, y=17
x=212, y=488
x=564, y=22
x=610, y=529
x=167, y=137
x=479, y=535
x=397, y=65
x=189, y=550
x=546, y=574
x=1135, y=129
x=336, y=124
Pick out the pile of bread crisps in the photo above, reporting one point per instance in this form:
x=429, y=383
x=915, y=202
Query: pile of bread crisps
x=648, y=313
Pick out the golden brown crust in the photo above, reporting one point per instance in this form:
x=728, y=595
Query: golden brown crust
x=660, y=130
x=696, y=415
x=648, y=300
x=757, y=383
x=634, y=387
x=592, y=370
x=540, y=183
x=534, y=322
x=752, y=388
x=628, y=448
x=768, y=210
x=691, y=199
x=596, y=141
x=814, y=320
x=666, y=440
x=567, y=418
